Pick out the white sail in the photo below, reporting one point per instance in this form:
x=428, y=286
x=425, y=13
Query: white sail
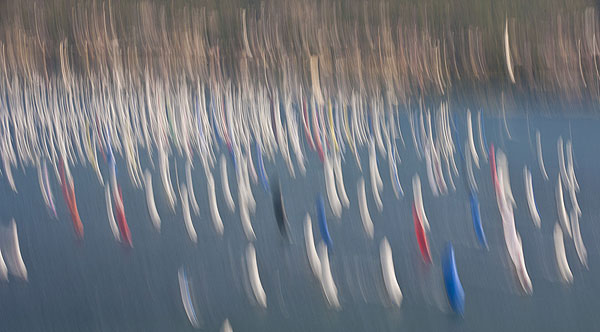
x=111, y=217
x=334, y=201
x=471, y=140
x=418, y=198
x=226, y=327
x=561, y=256
x=225, y=184
x=3, y=269
x=560, y=205
x=535, y=216
x=187, y=218
x=255, y=283
x=339, y=177
x=538, y=143
x=186, y=298
x=509, y=65
x=11, y=251
x=190, y=187
x=579, y=246
x=327, y=282
x=212, y=203
x=311, y=251
x=150, y=200
x=364, y=210
x=389, y=274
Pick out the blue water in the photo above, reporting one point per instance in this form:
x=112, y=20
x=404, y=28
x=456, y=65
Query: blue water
x=96, y=285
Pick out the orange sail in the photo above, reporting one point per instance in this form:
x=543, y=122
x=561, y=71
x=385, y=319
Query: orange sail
x=69, y=195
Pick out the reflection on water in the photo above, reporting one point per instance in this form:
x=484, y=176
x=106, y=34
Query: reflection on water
x=398, y=52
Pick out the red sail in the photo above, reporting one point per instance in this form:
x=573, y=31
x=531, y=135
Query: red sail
x=421, y=236
x=122, y=221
